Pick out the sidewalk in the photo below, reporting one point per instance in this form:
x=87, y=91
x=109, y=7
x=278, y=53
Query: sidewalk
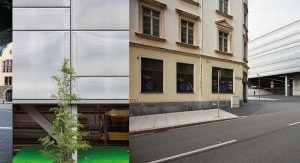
x=161, y=122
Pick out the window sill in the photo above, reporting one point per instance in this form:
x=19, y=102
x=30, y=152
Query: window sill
x=150, y=37
x=185, y=92
x=222, y=93
x=152, y=92
x=192, y=2
x=187, y=45
x=224, y=14
x=224, y=53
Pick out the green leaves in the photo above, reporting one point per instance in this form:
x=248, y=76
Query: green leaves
x=65, y=127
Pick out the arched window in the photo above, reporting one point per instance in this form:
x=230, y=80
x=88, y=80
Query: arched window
x=8, y=95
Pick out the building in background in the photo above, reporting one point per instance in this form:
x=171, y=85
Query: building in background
x=177, y=48
x=274, y=58
x=6, y=75
x=96, y=40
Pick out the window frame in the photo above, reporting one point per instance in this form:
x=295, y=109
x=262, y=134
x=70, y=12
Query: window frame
x=141, y=74
x=223, y=41
x=7, y=66
x=222, y=2
x=227, y=80
x=152, y=17
x=8, y=80
x=185, y=92
x=187, y=29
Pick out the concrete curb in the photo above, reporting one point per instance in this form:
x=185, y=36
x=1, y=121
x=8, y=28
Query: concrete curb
x=156, y=130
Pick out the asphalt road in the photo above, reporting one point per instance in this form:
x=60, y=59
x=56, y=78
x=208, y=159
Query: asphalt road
x=267, y=135
x=5, y=133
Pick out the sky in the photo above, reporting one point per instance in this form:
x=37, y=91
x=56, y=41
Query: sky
x=268, y=15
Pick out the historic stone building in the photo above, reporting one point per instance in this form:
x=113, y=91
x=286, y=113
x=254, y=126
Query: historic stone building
x=176, y=49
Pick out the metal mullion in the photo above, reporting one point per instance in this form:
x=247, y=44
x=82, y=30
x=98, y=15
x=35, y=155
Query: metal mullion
x=151, y=22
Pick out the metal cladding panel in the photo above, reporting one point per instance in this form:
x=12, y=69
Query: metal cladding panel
x=276, y=35
x=102, y=53
x=37, y=57
x=102, y=88
x=276, y=45
x=101, y=15
x=41, y=3
x=41, y=19
x=276, y=53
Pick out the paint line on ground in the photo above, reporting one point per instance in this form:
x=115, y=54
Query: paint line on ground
x=6, y=111
x=192, y=152
x=6, y=128
x=292, y=124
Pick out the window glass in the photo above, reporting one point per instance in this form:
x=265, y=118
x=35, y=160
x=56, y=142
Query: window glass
x=223, y=6
x=152, y=75
x=223, y=41
x=41, y=18
x=40, y=3
x=41, y=55
x=226, y=80
x=185, y=78
x=151, y=22
x=100, y=14
x=103, y=53
x=187, y=32
x=102, y=88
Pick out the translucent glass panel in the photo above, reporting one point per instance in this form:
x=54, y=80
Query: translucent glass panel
x=40, y=3
x=104, y=53
x=41, y=19
x=280, y=62
x=100, y=14
x=37, y=57
x=276, y=45
x=103, y=87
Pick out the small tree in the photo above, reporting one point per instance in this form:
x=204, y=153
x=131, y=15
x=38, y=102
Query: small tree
x=66, y=127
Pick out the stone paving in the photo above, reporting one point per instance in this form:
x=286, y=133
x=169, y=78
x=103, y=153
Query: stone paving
x=168, y=120
x=5, y=133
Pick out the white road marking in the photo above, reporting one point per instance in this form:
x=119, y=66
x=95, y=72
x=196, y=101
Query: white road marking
x=292, y=124
x=6, y=111
x=192, y=152
x=6, y=128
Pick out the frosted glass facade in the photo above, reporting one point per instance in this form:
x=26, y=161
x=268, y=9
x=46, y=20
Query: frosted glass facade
x=276, y=53
x=98, y=46
x=41, y=19
x=37, y=57
x=102, y=53
x=41, y=3
x=103, y=87
x=101, y=14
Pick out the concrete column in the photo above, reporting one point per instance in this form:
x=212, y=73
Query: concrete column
x=73, y=109
x=287, y=85
x=296, y=86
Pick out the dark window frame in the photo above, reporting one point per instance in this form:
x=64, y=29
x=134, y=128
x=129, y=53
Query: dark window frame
x=185, y=27
x=7, y=65
x=223, y=41
x=7, y=80
x=224, y=6
x=153, y=17
x=152, y=75
x=185, y=78
x=226, y=80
